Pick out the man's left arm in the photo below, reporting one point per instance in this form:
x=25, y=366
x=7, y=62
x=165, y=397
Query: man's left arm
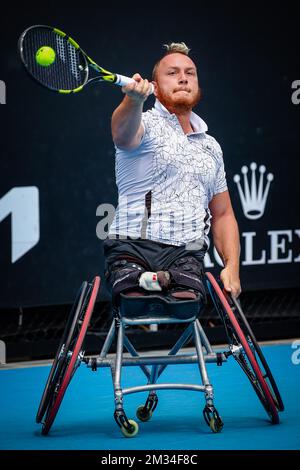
x=226, y=240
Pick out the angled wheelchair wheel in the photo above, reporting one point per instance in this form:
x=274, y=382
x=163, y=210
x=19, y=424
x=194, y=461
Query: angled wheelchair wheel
x=61, y=353
x=237, y=309
x=245, y=349
x=69, y=354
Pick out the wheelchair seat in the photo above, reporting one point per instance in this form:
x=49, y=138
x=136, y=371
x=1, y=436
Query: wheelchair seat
x=158, y=308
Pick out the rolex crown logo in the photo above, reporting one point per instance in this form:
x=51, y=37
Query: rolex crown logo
x=253, y=195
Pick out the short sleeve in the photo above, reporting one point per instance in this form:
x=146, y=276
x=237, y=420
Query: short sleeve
x=220, y=181
x=144, y=146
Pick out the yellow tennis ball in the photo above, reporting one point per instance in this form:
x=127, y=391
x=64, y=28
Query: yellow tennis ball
x=45, y=56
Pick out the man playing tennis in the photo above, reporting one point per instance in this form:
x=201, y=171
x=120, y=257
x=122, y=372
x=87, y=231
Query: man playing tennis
x=171, y=182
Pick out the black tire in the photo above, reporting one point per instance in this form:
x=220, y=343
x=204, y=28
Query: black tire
x=242, y=345
x=69, y=360
x=237, y=309
x=60, y=358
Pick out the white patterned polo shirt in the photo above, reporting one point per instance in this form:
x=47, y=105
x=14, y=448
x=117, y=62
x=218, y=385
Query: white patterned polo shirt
x=166, y=183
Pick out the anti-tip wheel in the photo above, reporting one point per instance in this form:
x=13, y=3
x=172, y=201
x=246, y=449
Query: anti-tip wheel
x=130, y=432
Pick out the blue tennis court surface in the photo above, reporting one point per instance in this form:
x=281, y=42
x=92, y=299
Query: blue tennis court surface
x=85, y=419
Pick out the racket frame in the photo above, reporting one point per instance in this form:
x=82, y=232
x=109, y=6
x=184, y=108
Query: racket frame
x=104, y=75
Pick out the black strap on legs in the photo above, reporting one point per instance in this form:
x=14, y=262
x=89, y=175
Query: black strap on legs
x=122, y=276
x=187, y=272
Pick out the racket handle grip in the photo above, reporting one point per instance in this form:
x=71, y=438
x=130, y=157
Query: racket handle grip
x=121, y=80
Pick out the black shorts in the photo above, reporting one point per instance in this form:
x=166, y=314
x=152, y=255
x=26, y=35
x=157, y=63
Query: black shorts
x=155, y=256
x=129, y=258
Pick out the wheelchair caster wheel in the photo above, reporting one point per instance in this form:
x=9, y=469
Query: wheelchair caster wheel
x=132, y=431
x=212, y=418
x=143, y=414
x=216, y=425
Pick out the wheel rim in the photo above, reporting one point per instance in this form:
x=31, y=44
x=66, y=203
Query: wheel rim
x=58, y=363
x=69, y=371
x=259, y=355
x=265, y=395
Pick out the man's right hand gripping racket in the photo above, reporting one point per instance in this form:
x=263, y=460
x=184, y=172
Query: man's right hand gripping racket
x=57, y=62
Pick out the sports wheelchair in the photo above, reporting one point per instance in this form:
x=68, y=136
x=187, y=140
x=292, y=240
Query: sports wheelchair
x=157, y=309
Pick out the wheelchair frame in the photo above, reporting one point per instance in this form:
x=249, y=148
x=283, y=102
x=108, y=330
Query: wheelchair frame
x=242, y=345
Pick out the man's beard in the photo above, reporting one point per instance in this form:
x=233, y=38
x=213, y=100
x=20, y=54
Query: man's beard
x=179, y=106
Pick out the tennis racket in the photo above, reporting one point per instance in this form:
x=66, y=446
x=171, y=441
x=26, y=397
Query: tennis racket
x=57, y=62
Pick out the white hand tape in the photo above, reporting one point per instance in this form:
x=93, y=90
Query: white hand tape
x=149, y=281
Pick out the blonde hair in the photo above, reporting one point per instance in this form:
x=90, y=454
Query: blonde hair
x=179, y=47
x=171, y=48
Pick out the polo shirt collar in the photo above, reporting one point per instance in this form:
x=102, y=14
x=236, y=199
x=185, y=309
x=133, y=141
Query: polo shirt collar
x=197, y=123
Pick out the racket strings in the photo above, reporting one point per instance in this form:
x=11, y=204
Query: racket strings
x=67, y=71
